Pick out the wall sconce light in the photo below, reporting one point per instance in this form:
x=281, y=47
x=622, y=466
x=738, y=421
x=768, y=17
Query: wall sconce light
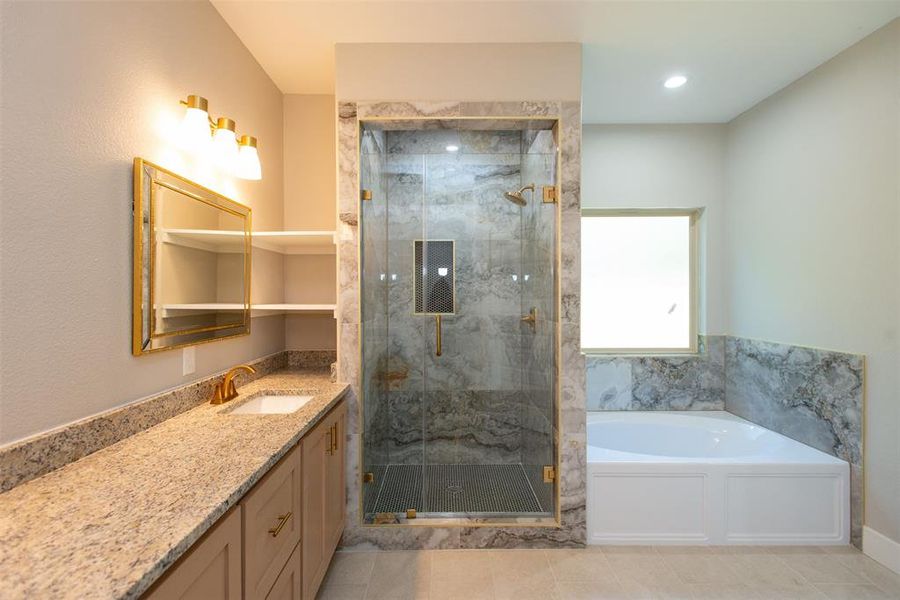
x=225, y=145
x=195, y=124
x=200, y=133
x=248, y=166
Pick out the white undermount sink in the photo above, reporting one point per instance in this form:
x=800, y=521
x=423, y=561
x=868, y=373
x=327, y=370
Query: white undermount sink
x=271, y=405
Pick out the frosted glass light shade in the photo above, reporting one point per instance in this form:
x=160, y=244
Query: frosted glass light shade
x=248, y=166
x=225, y=148
x=195, y=129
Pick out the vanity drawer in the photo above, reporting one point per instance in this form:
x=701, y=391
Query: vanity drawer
x=288, y=586
x=271, y=521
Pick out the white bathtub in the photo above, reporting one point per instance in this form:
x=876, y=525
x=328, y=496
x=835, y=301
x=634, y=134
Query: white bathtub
x=709, y=478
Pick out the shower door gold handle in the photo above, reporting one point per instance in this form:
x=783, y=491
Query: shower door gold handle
x=437, y=327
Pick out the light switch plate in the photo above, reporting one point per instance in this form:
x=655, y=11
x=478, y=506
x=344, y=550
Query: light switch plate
x=188, y=360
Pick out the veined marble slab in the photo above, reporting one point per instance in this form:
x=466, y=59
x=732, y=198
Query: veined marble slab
x=675, y=382
x=811, y=395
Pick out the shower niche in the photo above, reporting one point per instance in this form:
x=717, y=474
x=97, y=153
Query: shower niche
x=459, y=304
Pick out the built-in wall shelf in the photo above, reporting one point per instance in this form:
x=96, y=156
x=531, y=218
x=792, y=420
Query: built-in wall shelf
x=259, y=310
x=283, y=242
x=256, y=310
x=296, y=242
x=211, y=240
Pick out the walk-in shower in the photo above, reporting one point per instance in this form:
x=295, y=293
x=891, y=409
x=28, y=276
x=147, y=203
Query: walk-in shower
x=459, y=320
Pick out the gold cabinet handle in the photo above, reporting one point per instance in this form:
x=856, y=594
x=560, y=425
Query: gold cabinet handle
x=329, y=449
x=282, y=519
x=335, y=437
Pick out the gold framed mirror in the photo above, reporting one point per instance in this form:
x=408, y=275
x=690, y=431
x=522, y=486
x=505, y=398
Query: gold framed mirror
x=192, y=252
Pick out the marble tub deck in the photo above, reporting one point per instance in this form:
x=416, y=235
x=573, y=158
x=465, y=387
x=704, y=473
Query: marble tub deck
x=108, y=525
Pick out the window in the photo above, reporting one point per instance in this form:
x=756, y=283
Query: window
x=638, y=281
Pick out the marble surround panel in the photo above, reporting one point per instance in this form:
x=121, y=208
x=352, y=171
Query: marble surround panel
x=35, y=456
x=571, y=435
x=674, y=382
x=814, y=396
x=811, y=395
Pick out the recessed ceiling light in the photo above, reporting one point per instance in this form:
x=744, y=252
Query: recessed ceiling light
x=452, y=148
x=675, y=81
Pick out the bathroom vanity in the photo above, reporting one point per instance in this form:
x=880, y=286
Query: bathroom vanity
x=278, y=542
x=212, y=503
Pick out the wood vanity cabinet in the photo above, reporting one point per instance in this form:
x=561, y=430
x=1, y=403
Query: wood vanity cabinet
x=271, y=524
x=278, y=542
x=211, y=570
x=289, y=585
x=324, y=495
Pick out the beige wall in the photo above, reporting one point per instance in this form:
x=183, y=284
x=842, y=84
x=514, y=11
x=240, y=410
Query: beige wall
x=813, y=233
x=310, y=279
x=468, y=72
x=309, y=163
x=86, y=87
x=665, y=166
x=310, y=332
x=309, y=205
x=267, y=279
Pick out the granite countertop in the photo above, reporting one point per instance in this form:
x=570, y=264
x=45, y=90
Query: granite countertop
x=108, y=525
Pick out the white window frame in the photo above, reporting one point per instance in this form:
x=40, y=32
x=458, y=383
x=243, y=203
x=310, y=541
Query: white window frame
x=694, y=253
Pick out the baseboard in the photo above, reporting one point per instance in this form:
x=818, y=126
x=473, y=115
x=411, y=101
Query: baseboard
x=881, y=548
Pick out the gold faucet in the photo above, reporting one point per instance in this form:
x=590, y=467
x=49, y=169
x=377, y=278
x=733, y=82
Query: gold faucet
x=225, y=389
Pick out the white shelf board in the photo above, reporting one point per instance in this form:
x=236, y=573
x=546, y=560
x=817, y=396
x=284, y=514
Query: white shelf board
x=296, y=242
x=210, y=240
x=283, y=242
x=316, y=309
x=256, y=310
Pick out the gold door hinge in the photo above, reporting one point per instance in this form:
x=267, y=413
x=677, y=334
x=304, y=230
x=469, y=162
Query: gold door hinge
x=365, y=194
x=368, y=477
x=410, y=513
x=549, y=474
x=549, y=194
x=386, y=519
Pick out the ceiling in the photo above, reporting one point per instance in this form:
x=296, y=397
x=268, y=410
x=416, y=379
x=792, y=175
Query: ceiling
x=734, y=53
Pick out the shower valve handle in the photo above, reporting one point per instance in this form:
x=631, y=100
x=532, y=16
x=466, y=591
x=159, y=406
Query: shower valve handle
x=531, y=318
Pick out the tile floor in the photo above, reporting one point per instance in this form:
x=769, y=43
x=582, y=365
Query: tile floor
x=611, y=572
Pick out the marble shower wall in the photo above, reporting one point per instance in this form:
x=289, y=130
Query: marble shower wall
x=675, y=382
x=813, y=396
x=488, y=253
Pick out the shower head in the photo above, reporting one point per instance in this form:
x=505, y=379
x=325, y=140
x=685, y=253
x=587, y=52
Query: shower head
x=517, y=197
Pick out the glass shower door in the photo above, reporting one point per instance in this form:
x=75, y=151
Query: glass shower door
x=458, y=323
x=487, y=374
